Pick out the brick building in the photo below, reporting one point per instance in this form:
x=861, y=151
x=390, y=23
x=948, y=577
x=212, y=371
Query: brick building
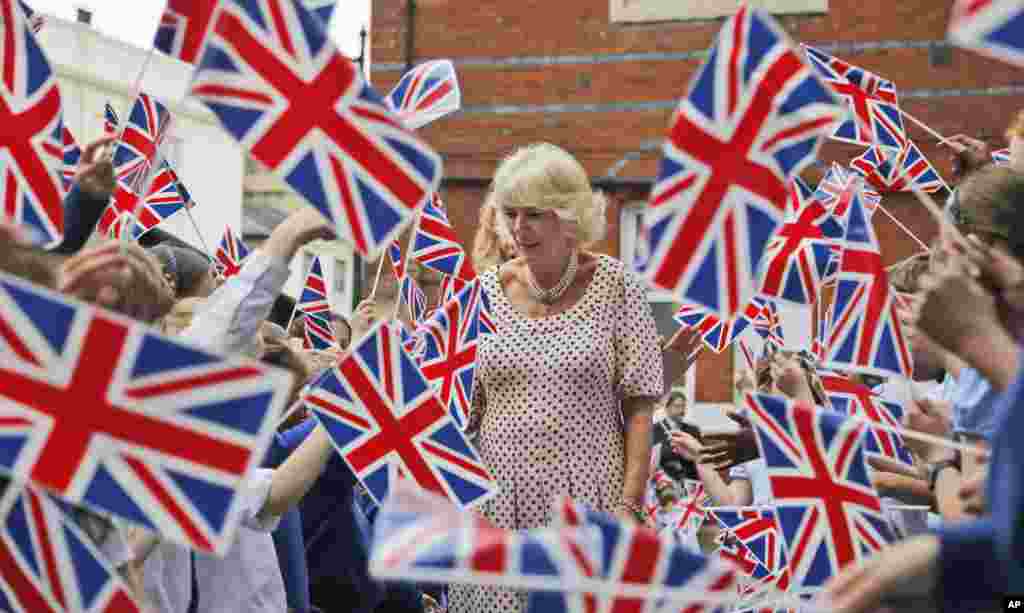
x=602, y=77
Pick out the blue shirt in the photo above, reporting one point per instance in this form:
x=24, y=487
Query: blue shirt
x=974, y=405
x=981, y=560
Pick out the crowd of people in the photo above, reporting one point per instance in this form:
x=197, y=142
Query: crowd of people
x=565, y=395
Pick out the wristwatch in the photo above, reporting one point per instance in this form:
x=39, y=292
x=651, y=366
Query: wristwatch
x=937, y=467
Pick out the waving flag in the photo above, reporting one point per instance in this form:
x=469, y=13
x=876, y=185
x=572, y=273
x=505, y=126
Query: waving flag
x=133, y=160
x=48, y=564
x=716, y=334
x=72, y=154
x=166, y=197
x=108, y=414
x=450, y=287
x=796, y=260
x=746, y=127
x=383, y=417
x=989, y=27
x=436, y=246
x=827, y=508
x=451, y=336
x=422, y=537
x=323, y=9
x=281, y=89
x=874, y=106
x=397, y=263
x=426, y=93
x=768, y=326
x=852, y=398
x=635, y=558
x=694, y=507
x=31, y=150
x=758, y=530
x=185, y=27
x=733, y=552
x=313, y=299
x=36, y=21
x=110, y=120
x=904, y=171
x=317, y=334
x=865, y=333
x=414, y=298
x=1001, y=156
x=231, y=253
x=837, y=189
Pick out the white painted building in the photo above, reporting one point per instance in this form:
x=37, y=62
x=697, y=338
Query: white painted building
x=93, y=68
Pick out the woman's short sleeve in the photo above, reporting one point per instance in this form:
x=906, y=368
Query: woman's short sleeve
x=638, y=365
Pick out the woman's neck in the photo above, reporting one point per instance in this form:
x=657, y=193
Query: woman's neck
x=547, y=272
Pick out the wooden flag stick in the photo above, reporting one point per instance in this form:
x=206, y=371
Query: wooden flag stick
x=925, y=127
x=905, y=229
x=376, y=282
x=945, y=225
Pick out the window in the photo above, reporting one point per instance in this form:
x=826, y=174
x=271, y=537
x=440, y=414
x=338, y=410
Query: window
x=663, y=304
x=639, y=11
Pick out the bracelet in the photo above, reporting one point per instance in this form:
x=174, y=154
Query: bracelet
x=634, y=508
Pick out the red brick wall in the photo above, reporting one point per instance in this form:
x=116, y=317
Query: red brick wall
x=898, y=36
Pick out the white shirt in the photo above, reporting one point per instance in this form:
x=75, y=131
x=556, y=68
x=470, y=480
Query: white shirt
x=755, y=471
x=167, y=572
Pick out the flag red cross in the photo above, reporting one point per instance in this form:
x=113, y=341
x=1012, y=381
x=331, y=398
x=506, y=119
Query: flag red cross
x=26, y=590
x=440, y=92
x=312, y=105
x=693, y=508
x=793, y=235
x=82, y=412
x=395, y=434
x=730, y=162
x=820, y=485
x=864, y=399
x=860, y=96
x=199, y=14
x=452, y=360
x=864, y=262
x=20, y=130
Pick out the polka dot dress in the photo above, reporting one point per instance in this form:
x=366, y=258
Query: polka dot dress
x=546, y=408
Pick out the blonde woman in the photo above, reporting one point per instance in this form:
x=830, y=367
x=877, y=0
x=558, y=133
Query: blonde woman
x=566, y=388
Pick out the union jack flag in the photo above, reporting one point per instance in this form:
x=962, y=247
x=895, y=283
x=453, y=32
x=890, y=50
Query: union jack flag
x=451, y=337
x=383, y=417
x=865, y=332
x=768, y=326
x=694, y=506
x=758, y=530
x=397, y=263
x=1001, y=156
x=313, y=299
x=230, y=254
x=875, y=110
x=827, y=508
x=281, y=88
x=167, y=195
x=414, y=298
x=110, y=120
x=989, y=27
x=852, y=398
x=171, y=431
x=436, y=246
x=317, y=334
x=733, y=552
x=133, y=160
x=797, y=258
x=421, y=537
x=185, y=27
x=837, y=188
x=323, y=9
x=31, y=152
x=450, y=287
x=48, y=564
x=633, y=558
x=35, y=21
x=904, y=171
x=716, y=334
x=163, y=199
x=426, y=93
x=735, y=140
x=72, y=154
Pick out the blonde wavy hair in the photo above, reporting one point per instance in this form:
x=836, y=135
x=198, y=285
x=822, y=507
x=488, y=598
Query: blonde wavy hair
x=547, y=177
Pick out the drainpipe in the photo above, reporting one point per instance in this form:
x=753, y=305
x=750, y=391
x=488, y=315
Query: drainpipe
x=410, y=33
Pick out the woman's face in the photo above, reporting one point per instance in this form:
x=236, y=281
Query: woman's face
x=536, y=233
x=676, y=407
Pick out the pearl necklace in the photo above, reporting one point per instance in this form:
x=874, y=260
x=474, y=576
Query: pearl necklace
x=550, y=296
